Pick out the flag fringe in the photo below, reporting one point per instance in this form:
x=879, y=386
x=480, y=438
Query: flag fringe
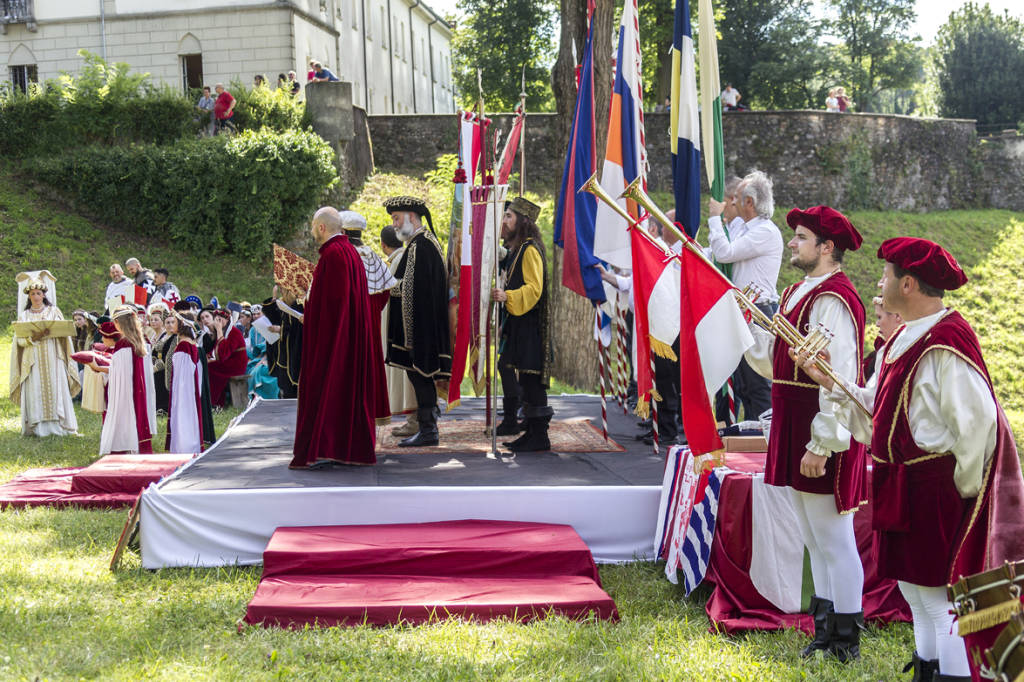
x=969, y=623
x=643, y=408
x=662, y=349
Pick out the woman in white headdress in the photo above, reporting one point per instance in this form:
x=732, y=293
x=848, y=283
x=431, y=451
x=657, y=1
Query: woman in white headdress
x=43, y=376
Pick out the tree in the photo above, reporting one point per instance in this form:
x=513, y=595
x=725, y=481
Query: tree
x=876, y=50
x=500, y=37
x=769, y=52
x=980, y=65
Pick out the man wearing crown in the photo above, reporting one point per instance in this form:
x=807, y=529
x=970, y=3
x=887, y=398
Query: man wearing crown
x=418, y=334
x=43, y=376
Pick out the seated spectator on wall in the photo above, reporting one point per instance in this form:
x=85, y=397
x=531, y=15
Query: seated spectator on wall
x=224, y=110
x=321, y=74
x=205, y=108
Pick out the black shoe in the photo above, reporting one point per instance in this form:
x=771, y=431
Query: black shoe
x=819, y=610
x=508, y=427
x=646, y=435
x=427, y=435
x=924, y=671
x=845, y=629
x=513, y=444
x=536, y=439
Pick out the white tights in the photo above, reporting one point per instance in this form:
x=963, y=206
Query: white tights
x=835, y=562
x=934, y=632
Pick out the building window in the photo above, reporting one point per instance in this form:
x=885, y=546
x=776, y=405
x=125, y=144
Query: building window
x=191, y=71
x=23, y=75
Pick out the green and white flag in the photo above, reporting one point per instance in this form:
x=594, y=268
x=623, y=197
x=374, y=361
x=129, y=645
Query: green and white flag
x=711, y=101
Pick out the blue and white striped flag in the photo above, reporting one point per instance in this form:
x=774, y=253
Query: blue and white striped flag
x=685, y=131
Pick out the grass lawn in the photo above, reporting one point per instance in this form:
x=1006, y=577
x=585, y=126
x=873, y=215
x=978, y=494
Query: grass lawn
x=63, y=615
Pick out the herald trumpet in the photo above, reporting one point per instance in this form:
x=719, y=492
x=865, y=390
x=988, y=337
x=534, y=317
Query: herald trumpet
x=778, y=325
x=594, y=187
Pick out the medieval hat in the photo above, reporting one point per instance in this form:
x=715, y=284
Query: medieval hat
x=350, y=220
x=35, y=285
x=219, y=312
x=110, y=330
x=525, y=208
x=931, y=263
x=411, y=205
x=193, y=299
x=827, y=223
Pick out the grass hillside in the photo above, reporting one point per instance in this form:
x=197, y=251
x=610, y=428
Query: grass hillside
x=37, y=233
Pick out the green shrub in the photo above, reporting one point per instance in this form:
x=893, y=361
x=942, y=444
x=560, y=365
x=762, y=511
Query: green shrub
x=235, y=194
x=105, y=104
x=262, y=107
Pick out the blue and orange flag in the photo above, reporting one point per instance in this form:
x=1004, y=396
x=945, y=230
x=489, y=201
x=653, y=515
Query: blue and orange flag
x=577, y=210
x=685, y=131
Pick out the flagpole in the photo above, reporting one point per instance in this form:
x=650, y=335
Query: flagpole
x=522, y=135
x=492, y=355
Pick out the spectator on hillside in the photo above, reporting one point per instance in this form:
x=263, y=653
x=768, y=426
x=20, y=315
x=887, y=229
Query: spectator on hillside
x=142, y=276
x=205, y=108
x=731, y=98
x=665, y=107
x=224, y=109
x=845, y=103
x=120, y=287
x=164, y=291
x=259, y=81
x=321, y=74
x=832, y=102
x=293, y=79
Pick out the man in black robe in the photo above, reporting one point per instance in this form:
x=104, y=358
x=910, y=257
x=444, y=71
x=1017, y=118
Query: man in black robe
x=284, y=358
x=418, y=336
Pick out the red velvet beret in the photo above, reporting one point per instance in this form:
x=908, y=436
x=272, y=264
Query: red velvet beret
x=110, y=330
x=827, y=223
x=929, y=261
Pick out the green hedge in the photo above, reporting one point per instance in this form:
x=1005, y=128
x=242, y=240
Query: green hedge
x=235, y=194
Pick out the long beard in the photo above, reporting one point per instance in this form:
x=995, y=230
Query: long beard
x=407, y=230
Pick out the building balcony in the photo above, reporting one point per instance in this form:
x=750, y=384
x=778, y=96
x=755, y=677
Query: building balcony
x=17, y=12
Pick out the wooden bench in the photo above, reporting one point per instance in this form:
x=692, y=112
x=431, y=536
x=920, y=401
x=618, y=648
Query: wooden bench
x=239, y=390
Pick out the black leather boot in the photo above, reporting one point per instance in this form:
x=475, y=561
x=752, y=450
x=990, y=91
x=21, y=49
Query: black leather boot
x=844, y=628
x=427, y=435
x=924, y=671
x=509, y=425
x=819, y=610
x=538, y=419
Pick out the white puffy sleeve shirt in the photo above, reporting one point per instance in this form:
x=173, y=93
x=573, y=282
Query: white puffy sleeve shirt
x=951, y=407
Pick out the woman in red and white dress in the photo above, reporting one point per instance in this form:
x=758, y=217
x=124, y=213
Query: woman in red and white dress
x=228, y=359
x=131, y=394
x=184, y=426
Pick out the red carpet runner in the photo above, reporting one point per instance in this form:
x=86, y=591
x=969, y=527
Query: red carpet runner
x=415, y=573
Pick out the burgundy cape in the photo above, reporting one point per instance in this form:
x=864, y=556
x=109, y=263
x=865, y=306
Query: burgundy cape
x=795, y=404
x=138, y=400
x=192, y=351
x=926, y=533
x=337, y=383
x=230, y=360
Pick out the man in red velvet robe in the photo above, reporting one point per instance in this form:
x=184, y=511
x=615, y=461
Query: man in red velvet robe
x=947, y=489
x=337, y=383
x=809, y=452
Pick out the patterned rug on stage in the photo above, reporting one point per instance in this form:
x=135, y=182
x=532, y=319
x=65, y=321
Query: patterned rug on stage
x=468, y=435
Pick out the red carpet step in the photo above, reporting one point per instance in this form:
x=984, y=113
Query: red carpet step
x=124, y=473
x=422, y=572
x=326, y=600
x=110, y=482
x=445, y=548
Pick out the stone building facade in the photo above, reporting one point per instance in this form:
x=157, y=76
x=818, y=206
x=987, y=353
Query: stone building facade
x=396, y=53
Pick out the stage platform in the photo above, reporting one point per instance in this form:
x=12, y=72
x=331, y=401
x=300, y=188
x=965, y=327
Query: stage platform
x=223, y=507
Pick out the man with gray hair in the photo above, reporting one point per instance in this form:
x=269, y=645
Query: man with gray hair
x=752, y=245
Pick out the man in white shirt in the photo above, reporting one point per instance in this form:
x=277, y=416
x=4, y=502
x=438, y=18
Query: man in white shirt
x=809, y=451
x=946, y=480
x=119, y=286
x=752, y=246
x=730, y=98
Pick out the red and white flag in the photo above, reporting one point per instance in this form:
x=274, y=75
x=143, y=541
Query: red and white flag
x=712, y=338
x=656, y=276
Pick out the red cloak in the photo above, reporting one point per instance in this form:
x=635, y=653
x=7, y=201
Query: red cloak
x=337, y=382
x=138, y=399
x=230, y=361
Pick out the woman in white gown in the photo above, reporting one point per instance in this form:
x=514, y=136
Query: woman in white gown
x=184, y=427
x=43, y=376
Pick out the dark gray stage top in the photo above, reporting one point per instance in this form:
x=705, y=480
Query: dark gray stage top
x=257, y=451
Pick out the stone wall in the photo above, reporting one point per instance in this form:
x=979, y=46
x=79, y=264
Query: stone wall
x=846, y=160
